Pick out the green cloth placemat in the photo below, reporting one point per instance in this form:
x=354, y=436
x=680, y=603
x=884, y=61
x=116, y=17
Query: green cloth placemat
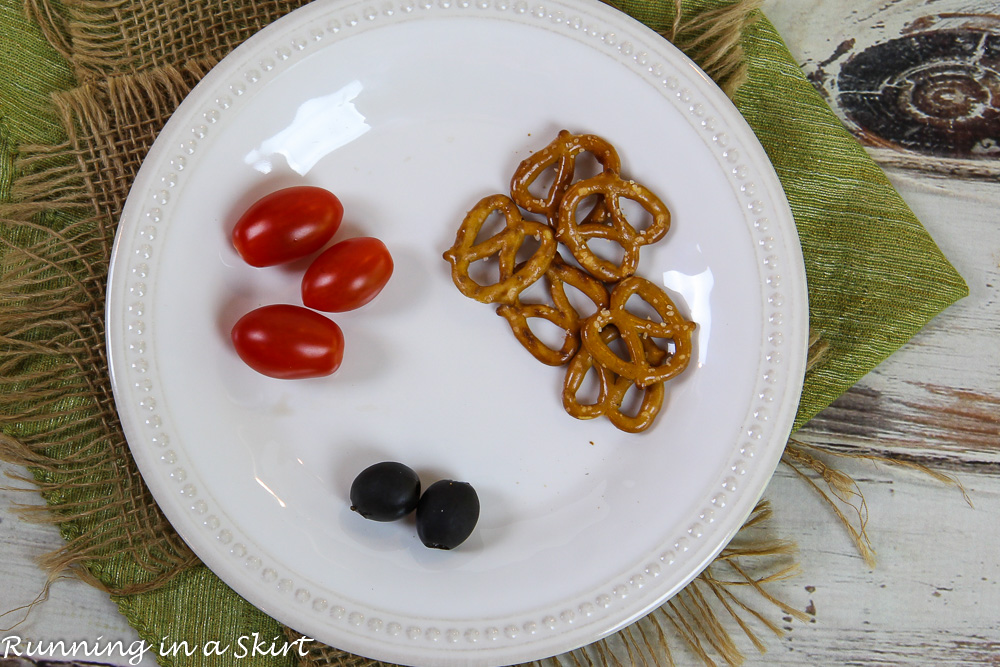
x=875, y=276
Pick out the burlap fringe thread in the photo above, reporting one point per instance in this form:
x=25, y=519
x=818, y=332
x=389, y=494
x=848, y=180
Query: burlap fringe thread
x=59, y=418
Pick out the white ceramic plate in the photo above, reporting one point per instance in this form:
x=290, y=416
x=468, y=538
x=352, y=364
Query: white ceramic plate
x=411, y=110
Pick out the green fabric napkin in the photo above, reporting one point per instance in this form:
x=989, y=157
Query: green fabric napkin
x=875, y=278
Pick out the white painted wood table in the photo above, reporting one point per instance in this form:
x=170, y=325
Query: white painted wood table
x=934, y=596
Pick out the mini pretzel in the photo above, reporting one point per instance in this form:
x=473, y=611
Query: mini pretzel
x=619, y=347
x=579, y=366
x=612, y=389
x=514, y=278
x=634, y=329
x=652, y=396
x=561, y=312
x=577, y=233
x=561, y=154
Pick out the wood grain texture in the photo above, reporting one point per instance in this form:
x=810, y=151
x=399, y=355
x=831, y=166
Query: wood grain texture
x=74, y=611
x=930, y=599
x=916, y=81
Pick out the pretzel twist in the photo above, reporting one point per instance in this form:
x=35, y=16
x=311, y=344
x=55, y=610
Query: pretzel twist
x=561, y=155
x=577, y=232
x=634, y=330
x=560, y=312
x=579, y=367
x=612, y=389
x=652, y=396
x=505, y=244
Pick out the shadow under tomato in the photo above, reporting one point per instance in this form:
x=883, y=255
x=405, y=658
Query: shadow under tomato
x=368, y=354
x=406, y=289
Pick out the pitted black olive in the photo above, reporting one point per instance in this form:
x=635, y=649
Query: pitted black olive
x=447, y=514
x=385, y=491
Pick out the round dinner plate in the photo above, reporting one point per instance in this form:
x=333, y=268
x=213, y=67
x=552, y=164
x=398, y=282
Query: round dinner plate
x=411, y=111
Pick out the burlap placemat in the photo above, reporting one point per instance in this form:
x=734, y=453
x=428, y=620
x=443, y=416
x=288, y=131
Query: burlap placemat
x=84, y=88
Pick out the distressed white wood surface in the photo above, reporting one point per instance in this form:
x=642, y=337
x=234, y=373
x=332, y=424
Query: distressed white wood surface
x=74, y=611
x=933, y=598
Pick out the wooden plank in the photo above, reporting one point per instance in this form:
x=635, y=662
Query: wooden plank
x=933, y=595
x=912, y=79
x=952, y=427
x=74, y=610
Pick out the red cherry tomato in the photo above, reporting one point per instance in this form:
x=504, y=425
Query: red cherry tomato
x=347, y=275
x=288, y=342
x=287, y=225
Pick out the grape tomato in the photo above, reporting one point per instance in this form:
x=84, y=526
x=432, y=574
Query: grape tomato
x=288, y=342
x=286, y=225
x=347, y=275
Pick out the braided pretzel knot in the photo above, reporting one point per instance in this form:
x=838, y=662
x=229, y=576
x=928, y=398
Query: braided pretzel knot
x=612, y=226
x=612, y=389
x=505, y=244
x=561, y=154
x=634, y=330
x=560, y=313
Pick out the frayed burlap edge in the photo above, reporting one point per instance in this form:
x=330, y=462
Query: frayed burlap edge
x=60, y=420
x=713, y=39
x=56, y=406
x=102, y=39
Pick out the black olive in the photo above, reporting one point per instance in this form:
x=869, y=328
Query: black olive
x=447, y=513
x=385, y=491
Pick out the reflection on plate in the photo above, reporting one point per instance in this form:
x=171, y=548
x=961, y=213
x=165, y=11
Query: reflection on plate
x=411, y=112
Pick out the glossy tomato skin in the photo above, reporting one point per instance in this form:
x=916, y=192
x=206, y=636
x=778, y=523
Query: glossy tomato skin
x=286, y=225
x=288, y=342
x=347, y=275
